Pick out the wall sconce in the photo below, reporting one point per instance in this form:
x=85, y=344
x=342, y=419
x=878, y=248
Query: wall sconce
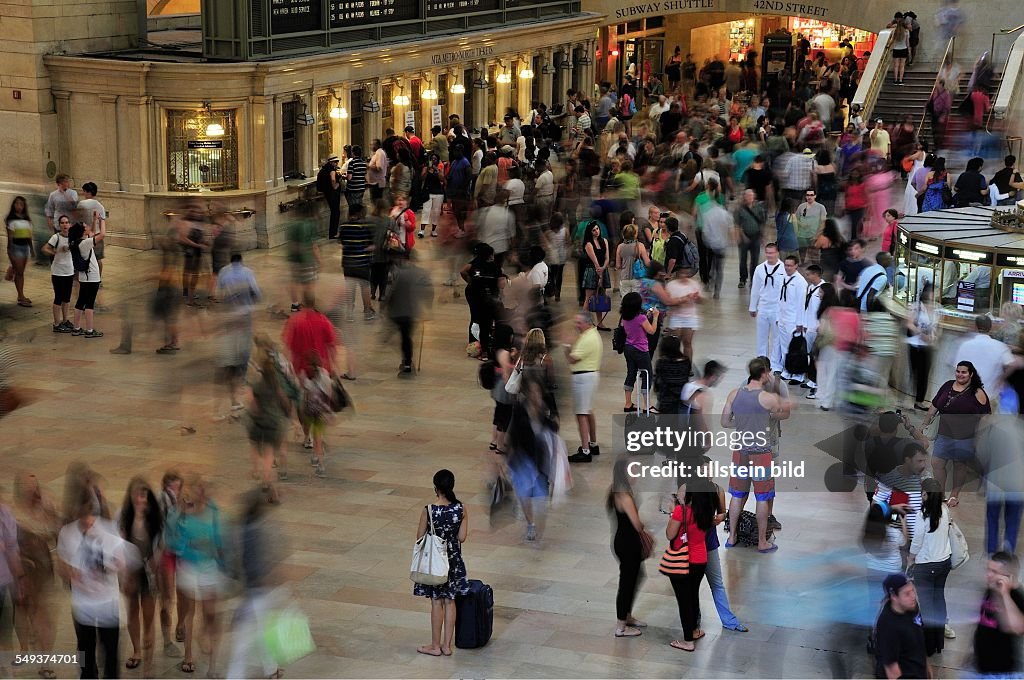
x=547, y=69
x=614, y=53
x=429, y=94
x=401, y=99
x=504, y=76
x=526, y=73
x=213, y=128
x=480, y=83
x=371, y=105
x=584, y=60
x=304, y=118
x=338, y=112
x=456, y=87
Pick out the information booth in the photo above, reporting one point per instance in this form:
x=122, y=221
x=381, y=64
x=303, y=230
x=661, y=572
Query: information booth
x=973, y=258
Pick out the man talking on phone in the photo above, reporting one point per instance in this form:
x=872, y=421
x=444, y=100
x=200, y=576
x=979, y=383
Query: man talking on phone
x=997, y=639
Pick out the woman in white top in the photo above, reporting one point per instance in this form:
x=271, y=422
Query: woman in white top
x=19, y=245
x=62, y=275
x=558, y=241
x=930, y=553
x=900, y=47
x=922, y=328
x=82, y=245
x=544, y=190
x=684, y=317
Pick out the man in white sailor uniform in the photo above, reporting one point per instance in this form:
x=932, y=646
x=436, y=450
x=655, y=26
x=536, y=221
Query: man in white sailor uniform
x=812, y=303
x=790, y=315
x=764, y=299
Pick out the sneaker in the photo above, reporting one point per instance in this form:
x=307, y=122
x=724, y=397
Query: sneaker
x=580, y=457
x=93, y=334
x=531, y=532
x=369, y=316
x=282, y=476
x=433, y=234
x=742, y=284
x=813, y=394
x=824, y=408
x=77, y=331
x=308, y=444
x=68, y=325
x=421, y=233
x=58, y=328
x=405, y=368
x=948, y=632
x=320, y=472
x=595, y=450
x=295, y=306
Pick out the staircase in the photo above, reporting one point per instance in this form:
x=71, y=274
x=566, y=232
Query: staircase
x=896, y=101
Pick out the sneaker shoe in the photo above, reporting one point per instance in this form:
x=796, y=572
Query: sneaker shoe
x=742, y=284
x=948, y=632
x=813, y=394
x=68, y=325
x=58, y=328
x=421, y=233
x=595, y=450
x=531, y=532
x=77, y=331
x=308, y=444
x=405, y=368
x=369, y=316
x=433, y=234
x=93, y=334
x=282, y=476
x=320, y=472
x=295, y=306
x=580, y=457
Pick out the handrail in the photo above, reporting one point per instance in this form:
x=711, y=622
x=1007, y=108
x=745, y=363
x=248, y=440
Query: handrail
x=1003, y=31
x=1011, y=81
x=951, y=54
x=873, y=79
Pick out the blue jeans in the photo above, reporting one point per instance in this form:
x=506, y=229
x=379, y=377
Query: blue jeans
x=714, y=576
x=930, y=579
x=1011, y=511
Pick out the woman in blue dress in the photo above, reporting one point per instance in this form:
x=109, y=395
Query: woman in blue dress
x=451, y=522
x=935, y=186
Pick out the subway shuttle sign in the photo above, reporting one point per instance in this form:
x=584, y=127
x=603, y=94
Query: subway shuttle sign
x=663, y=7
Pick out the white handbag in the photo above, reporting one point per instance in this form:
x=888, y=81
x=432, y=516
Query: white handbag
x=429, y=558
x=515, y=380
x=958, y=546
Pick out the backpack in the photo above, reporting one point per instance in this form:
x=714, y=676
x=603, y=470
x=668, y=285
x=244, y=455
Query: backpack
x=619, y=338
x=796, y=356
x=639, y=268
x=691, y=256
x=81, y=264
x=486, y=375
x=627, y=106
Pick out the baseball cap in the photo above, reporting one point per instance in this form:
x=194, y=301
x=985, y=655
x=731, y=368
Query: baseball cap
x=332, y=159
x=507, y=149
x=808, y=152
x=410, y=128
x=893, y=582
x=878, y=120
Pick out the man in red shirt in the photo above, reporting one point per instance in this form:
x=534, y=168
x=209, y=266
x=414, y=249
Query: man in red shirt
x=310, y=331
x=415, y=143
x=980, y=104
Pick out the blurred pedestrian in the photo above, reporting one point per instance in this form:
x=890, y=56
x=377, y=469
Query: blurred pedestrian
x=628, y=546
x=141, y=524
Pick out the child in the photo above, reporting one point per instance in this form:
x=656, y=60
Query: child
x=317, y=394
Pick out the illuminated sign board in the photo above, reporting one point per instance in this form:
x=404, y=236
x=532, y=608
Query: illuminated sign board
x=1010, y=260
x=965, y=255
x=925, y=248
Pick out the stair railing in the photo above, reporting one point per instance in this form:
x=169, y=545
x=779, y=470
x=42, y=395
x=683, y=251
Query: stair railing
x=873, y=78
x=950, y=54
x=1011, y=79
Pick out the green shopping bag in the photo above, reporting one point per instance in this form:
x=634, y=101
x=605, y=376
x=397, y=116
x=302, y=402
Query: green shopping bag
x=286, y=635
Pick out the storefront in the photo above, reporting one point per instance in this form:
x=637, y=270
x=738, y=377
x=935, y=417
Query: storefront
x=973, y=258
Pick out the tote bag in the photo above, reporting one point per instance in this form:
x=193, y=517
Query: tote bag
x=515, y=380
x=676, y=561
x=958, y=546
x=429, y=558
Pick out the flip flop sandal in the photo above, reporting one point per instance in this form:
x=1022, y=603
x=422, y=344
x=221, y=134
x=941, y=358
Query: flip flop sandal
x=24, y=303
x=187, y=667
x=628, y=631
x=676, y=644
x=698, y=634
x=768, y=550
x=492, y=446
x=132, y=662
x=740, y=629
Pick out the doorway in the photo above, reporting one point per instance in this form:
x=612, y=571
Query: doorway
x=357, y=132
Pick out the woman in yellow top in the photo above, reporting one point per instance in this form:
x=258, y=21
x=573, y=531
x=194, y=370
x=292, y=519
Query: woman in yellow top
x=19, y=246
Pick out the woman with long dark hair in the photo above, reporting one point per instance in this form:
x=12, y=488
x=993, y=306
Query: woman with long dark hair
x=636, y=351
x=447, y=518
x=484, y=282
x=959, y=404
x=141, y=524
x=922, y=331
x=937, y=190
x=19, y=245
x=690, y=520
x=83, y=245
x=930, y=553
x=596, y=279
x=627, y=545
x=832, y=248
x=62, y=274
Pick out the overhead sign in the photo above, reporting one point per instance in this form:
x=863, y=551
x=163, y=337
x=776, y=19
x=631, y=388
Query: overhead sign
x=205, y=144
x=965, y=255
x=294, y=16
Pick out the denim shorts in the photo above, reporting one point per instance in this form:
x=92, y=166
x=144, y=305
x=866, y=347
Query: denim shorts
x=20, y=251
x=948, y=448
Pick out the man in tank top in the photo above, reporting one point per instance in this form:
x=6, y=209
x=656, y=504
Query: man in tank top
x=749, y=409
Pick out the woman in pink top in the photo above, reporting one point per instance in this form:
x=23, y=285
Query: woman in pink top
x=690, y=521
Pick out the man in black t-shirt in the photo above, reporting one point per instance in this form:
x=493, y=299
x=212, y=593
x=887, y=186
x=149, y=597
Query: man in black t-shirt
x=851, y=267
x=997, y=639
x=759, y=178
x=1008, y=181
x=899, y=633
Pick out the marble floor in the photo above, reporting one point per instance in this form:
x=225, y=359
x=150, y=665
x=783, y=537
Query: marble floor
x=345, y=540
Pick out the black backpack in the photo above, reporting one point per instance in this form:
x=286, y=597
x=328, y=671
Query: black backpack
x=691, y=256
x=619, y=338
x=80, y=263
x=487, y=377
x=796, y=355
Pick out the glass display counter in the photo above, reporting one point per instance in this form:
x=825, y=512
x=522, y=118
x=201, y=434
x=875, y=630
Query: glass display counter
x=973, y=259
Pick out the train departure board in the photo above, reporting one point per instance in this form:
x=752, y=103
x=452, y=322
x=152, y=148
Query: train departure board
x=294, y=16
x=445, y=8
x=346, y=13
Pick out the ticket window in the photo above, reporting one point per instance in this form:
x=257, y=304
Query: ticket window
x=967, y=287
x=1010, y=289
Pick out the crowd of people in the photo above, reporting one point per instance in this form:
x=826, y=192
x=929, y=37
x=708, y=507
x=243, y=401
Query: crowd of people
x=649, y=192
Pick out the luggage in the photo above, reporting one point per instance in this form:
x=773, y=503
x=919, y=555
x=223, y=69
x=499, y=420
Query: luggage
x=796, y=356
x=474, y=616
x=746, y=532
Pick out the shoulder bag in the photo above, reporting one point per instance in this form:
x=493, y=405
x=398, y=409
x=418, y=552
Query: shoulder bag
x=429, y=557
x=516, y=379
x=958, y=545
x=676, y=561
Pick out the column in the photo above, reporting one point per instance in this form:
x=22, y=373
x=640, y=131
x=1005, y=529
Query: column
x=423, y=123
x=401, y=86
x=273, y=125
x=525, y=84
x=141, y=139
x=62, y=101
x=455, y=101
x=479, y=97
x=502, y=91
x=341, y=128
x=546, y=79
x=372, y=121
x=109, y=178
x=310, y=158
x=590, y=71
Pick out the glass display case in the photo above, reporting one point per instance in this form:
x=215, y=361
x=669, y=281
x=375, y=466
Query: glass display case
x=973, y=258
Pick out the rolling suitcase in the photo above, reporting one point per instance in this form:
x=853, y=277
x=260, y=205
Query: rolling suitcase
x=474, y=616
